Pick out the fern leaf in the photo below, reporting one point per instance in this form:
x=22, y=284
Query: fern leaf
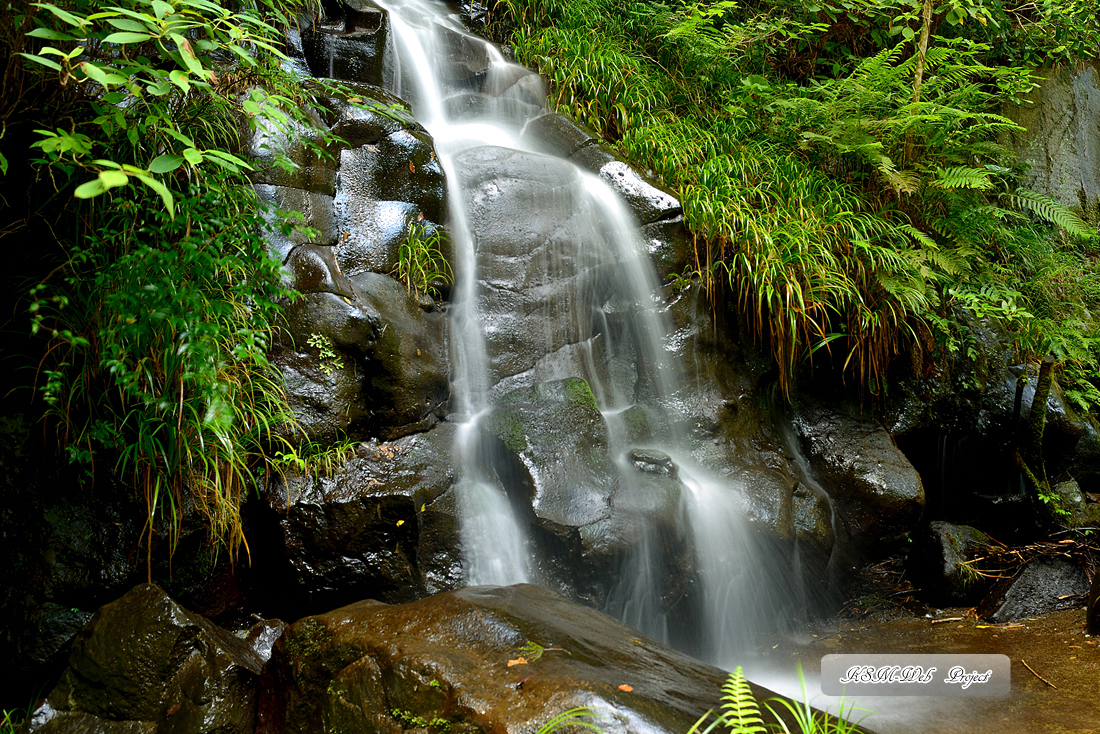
x=740, y=710
x=961, y=177
x=918, y=235
x=1051, y=211
x=904, y=182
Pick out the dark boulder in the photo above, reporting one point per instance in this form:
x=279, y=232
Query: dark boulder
x=293, y=155
x=384, y=190
x=382, y=525
x=591, y=514
x=145, y=664
x=556, y=134
x=452, y=659
x=375, y=361
x=316, y=210
x=406, y=375
x=1042, y=586
x=937, y=561
x=1092, y=610
x=535, y=262
x=68, y=545
x=875, y=488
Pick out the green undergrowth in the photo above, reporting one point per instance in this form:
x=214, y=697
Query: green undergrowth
x=149, y=290
x=842, y=166
x=741, y=713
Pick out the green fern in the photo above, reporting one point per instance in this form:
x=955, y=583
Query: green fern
x=961, y=177
x=739, y=708
x=1051, y=211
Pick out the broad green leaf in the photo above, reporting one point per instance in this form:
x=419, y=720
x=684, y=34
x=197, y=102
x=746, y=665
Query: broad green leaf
x=907, y=33
x=125, y=37
x=193, y=156
x=162, y=8
x=67, y=17
x=3, y=165
x=127, y=24
x=50, y=35
x=228, y=157
x=160, y=88
x=165, y=163
x=45, y=62
x=179, y=78
x=180, y=137
x=188, y=55
x=113, y=179
x=88, y=190
x=93, y=72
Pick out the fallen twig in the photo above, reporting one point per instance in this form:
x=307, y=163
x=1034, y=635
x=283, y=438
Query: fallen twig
x=1044, y=680
x=948, y=619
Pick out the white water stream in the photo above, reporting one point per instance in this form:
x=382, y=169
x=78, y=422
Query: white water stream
x=737, y=589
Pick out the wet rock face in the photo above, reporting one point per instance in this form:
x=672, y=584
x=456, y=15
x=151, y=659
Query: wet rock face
x=143, y=663
x=344, y=668
x=557, y=135
x=360, y=352
x=384, y=525
x=876, y=489
x=553, y=457
x=347, y=42
x=66, y=547
x=1041, y=587
x=1061, y=138
x=936, y=563
x=1092, y=616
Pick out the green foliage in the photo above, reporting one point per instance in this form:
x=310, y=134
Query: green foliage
x=11, y=720
x=315, y=459
x=421, y=264
x=157, y=339
x=574, y=717
x=411, y=721
x=741, y=714
x=160, y=300
x=326, y=353
x=839, y=209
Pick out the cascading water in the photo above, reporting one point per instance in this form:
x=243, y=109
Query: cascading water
x=617, y=346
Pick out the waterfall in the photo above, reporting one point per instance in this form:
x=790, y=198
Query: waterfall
x=734, y=591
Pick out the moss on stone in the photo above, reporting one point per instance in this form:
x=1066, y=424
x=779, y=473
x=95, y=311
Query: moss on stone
x=309, y=639
x=579, y=392
x=505, y=424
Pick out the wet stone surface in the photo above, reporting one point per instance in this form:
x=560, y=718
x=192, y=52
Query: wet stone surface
x=448, y=657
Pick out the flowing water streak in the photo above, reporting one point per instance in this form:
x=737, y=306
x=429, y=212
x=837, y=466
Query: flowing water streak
x=494, y=544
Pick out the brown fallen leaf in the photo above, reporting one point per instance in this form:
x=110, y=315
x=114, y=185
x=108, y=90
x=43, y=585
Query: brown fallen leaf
x=412, y=168
x=625, y=687
x=173, y=709
x=517, y=661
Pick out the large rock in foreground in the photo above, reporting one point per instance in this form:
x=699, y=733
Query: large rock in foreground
x=146, y=664
x=444, y=661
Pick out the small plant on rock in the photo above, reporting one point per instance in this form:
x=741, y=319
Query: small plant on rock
x=421, y=265
x=326, y=352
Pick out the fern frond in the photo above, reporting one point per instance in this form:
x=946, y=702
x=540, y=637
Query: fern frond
x=961, y=177
x=1051, y=211
x=740, y=710
x=904, y=182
